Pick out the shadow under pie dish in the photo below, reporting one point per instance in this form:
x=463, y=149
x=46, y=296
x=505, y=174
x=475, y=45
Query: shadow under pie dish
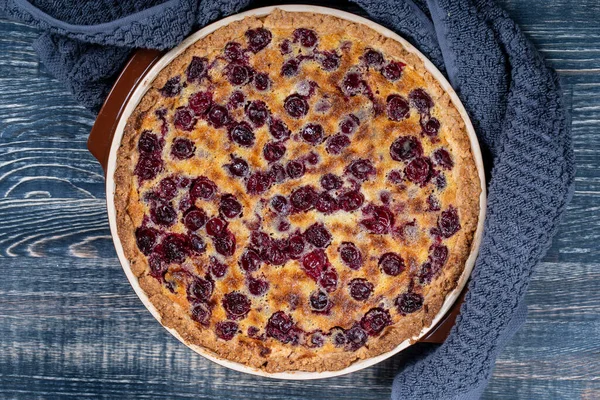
x=295, y=191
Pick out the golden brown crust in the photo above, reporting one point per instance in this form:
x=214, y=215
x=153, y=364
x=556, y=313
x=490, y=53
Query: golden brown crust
x=462, y=193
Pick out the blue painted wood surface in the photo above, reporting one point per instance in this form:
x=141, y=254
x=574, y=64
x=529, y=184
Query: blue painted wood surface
x=71, y=326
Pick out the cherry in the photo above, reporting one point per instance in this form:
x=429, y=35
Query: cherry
x=349, y=124
x=203, y=188
x=216, y=227
x=408, y=303
x=226, y=330
x=278, y=129
x=148, y=167
x=236, y=305
x=280, y=326
x=257, y=113
x=312, y=158
x=314, y=263
x=438, y=254
x=313, y=133
x=145, y=239
x=353, y=84
x=277, y=173
x=197, y=244
x=279, y=204
x=163, y=213
x=262, y=81
x=351, y=201
x=239, y=74
x=396, y=177
x=200, y=103
x=375, y=320
x=338, y=336
x=397, y=107
x=194, y=219
x=295, y=246
x=433, y=203
x=290, y=68
x=230, y=207
x=236, y=99
x=295, y=169
x=361, y=169
x=257, y=287
x=285, y=47
x=238, y=167
x=273, y=151
x=184, y=119
x=225, y=244
x=440, y=181
x=174, y=248
x=241, y=133
x=319, y=301
x=218, y=116
x=296, y=106
x=329, y=60
x=356, y=338
x=167, y=188
x=234, y=52
x=430, y=125
x=158, y=268
x=303, y=198
x=419, y=170
x=306, y=37
x=250, y=260
x=442, y=158
x=148, y=142
x=372, y=58
x=258, y=39
x=420, y=100
x=405, y=148
x=330, y=182
x=336, y=143
x=182, y=148
x=448, y=222
x=380, y=222
x=391, y=264
x=393, y=70
x=317, y=339
x=329, y=280
x=253, y=331
x=200, y=290
x=217, y=268
x=360, y=289
x=326, y=203
x=172, y=87
x=318, y=235
x=201, y=314
x=350, y=255
x=259, y=182
x=197, y=69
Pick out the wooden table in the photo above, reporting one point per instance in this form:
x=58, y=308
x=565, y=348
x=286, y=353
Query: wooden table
x=71, y=326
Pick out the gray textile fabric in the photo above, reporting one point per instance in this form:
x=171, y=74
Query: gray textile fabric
x=512, y=96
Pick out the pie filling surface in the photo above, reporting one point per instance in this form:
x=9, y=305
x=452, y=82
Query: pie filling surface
x=296, y=193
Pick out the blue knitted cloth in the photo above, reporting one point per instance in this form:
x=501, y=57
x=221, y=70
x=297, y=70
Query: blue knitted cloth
x=513, y=99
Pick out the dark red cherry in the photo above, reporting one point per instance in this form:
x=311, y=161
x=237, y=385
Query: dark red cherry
x=145, y=239
x=438, y=254
x=279, y=204
x=306, y=37
x=148, y=142
x=396, y=177
x=182, y=148
x=361, y=169
x=448, y=222
x=148, y=167
x=295, y=169
x=419, y=170
x=349, y=124
x=273, y=151
x=280, y=326
x=313, y=133
x=393, y=70
x=303, y=198
x=216, y=227
x=278, y=129
x=262, y=81
x=318, y=235
x=405, y=148
x=295, y=246
x=158, y=266
x=351, y=201
x=319, y=301
x=375, y=320
x=259, y=182
x=257, y=287
x=184, y=119
x=238, y=167
x=250, y=260
x=317, y=339
x=236, y=99
x=285, y=47
x=258, y=39
x=397, y=107
x=217, y=268
x=380, y=222
x=329, y=60
x=337, y=143
x=200, y=103
x=257, y=113
x=200, y=290
x=351, y=255
x=242, y=134
x=290, y=68
x=239, y=74
x=373, y=58
x=203, y=188
x=234, y=52
x=230, y=207
x=218, y=116
x=326, y=203
x=195, y=219
x=430, y=125
x=296, y=106
x=163, y=213
x=197, y=69
x=328, y=280
x=225, y=244
x=236, y=305
x=201, y=314
x=314, y=263
x=360, y=289
x=356, y=338
x=172, y=87
x=197, y=244
x=226, y=330
x=353, y=84
x=420, y=100
x=312, y=158
x=391, y=264
x=167, y=188
x=174, y=248
x=277, y=173
x=253, y=331
x=442, y=158
x=408, y=303
x=331, y=182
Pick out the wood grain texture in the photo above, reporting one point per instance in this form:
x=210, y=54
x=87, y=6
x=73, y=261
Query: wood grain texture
x=71, y=326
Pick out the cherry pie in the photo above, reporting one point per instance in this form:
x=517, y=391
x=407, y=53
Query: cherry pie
x=296, y=192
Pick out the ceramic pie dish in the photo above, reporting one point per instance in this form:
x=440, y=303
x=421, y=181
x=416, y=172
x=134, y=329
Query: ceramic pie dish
x=385, y=247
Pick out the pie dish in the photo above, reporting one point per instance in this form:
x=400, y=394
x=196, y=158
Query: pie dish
x=296, y=192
